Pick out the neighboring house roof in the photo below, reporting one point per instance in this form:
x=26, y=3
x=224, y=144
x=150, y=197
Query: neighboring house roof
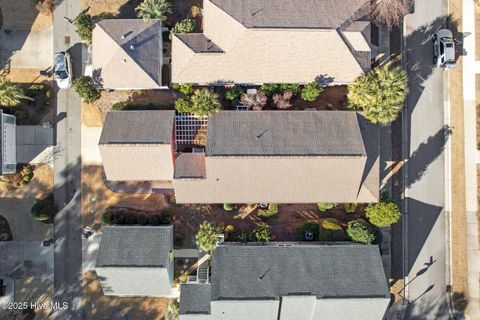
x=135, y=246
x=137, y=145
x=249, y=40
x=299, y=157
x=315, y=14
x=285, y=133
x=280, y=282
x=128, y=53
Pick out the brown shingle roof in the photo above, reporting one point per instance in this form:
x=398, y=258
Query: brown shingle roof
x=127, y=53
x=199, y=43
x=317, y=14
x=190, y=165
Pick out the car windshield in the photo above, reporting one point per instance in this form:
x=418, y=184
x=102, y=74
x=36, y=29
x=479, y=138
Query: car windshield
x=61, y=74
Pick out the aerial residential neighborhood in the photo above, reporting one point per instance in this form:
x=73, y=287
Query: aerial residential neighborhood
x=239, y=159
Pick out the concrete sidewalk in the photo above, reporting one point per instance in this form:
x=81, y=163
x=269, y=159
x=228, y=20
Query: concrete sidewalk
x=470, y=68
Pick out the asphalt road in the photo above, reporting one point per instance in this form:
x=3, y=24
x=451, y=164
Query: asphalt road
x=426, y=246
x=67, y=227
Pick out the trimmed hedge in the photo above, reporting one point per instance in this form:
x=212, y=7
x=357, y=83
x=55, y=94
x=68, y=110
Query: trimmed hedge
x=141, y=106
x=132, y=218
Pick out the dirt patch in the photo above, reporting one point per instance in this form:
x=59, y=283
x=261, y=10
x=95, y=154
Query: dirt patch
x=99, y=6
x=99, y=306
x=91, y=115
x=22, y=15
x=5, y=231
x=158, y=97
x=20, y=75
x=458, y=215
x=40, y=185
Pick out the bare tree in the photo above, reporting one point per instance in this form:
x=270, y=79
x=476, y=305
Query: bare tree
x=390, y=12
x=282, y=101
x=255, y=101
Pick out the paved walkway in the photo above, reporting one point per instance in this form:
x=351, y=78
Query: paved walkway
x=89, y=150
x=470, y=68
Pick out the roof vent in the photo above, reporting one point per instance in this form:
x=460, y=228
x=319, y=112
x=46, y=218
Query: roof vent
x=132, y=47
x=124, y=60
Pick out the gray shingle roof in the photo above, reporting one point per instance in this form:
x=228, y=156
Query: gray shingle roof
x=198, y=42
x=290, y=14
x=140, y=246
x=141, y=40
x=140, y=127
x=326, y=271
x=190, y=165
x=288, y=133
x=195, y=298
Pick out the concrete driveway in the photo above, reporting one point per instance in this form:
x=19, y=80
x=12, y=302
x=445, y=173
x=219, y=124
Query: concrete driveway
x=24, y=228
x=34, y=144
x=90, y=151
x=27, y=49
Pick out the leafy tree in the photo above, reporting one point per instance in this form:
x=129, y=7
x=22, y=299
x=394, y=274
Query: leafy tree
x=44, y=209
x=183, y=105
x=282, y=101
x=382, y=214
x=10, y=93
x=154, y=9
x=86, y=90
x=204, y=103
x=311, y=91
x=263, y=233
x=271, y=211
x=390, y=12
x=227, y=206
x=331, y=224
x=84, y=26
x=184, y=26
x=233, y=94
x=324, y=206
x=207, y=236
x=359, y=231
x=350, y=207
x=255, y=101
x=380, y=94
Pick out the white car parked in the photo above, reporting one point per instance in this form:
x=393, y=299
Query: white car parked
x=63, y=70
x=444, y=49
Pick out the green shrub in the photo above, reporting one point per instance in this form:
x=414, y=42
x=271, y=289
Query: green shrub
x=324, y=206
x=140, y=106
x=27, y=170
x=44, y=210
x=359, y=231
x=183, y=105
x=331, y=224
x=130, y=217
x=22, y=183
x=41, y=94
x=207, y=236
x=85, y=88
x=227, y=207
x=173, y=310
x=184, y=26
x=186, y=89
x=103, y=15
x=330, y=235
x=263, y=233
x=154, y=220
x=311, y=91
x=119, y=217
x=84, y=26
x=179, y=239
x=242, y=237
x=279, y=88
x=107, y=217
x=382, y=214
x=350, y=207
x=309, y=226
x=142, y=219
x=271, y=211
x=166, y=216
x=233, y=94
x=204, y=103
x=26, y=178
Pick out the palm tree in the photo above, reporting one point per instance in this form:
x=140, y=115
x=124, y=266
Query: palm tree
x=154, y=9
x=10, y=93
x=207, y=236
x=380, y=94
x=205, y=103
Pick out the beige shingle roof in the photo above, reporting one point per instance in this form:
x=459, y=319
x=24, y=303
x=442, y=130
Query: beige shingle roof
x=265, y=55
x=127, y=53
